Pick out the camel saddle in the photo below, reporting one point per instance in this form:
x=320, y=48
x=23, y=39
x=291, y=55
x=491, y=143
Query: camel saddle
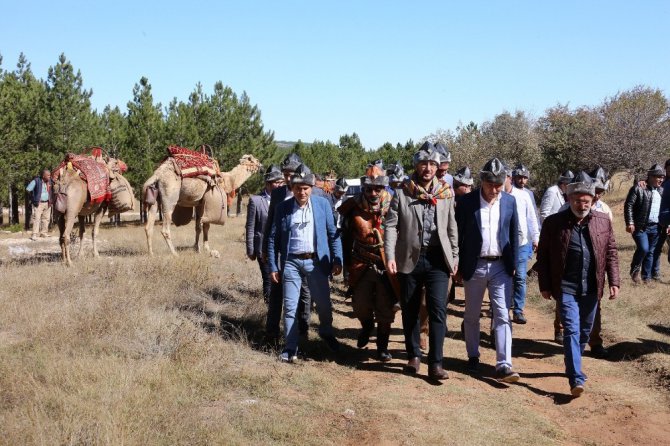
x=92, y=172
x=190, y=164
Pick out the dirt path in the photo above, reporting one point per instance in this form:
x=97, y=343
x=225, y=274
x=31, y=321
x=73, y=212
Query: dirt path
x=621, y=406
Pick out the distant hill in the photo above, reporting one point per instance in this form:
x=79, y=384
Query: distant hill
x=288, y=144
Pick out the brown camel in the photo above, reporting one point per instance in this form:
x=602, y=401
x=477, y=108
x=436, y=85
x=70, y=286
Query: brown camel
x=78, y=207
x=209, y=200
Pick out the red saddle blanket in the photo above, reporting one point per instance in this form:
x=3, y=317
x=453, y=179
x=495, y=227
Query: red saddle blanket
x=193, y=163
x=94, y=173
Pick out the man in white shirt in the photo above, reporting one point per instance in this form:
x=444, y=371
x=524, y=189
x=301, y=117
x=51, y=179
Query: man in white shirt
x=488, y=233
x=529, y=235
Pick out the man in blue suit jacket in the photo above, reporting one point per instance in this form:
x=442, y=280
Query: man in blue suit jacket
x=488, y=237
x=288, y=166
x=304, y=238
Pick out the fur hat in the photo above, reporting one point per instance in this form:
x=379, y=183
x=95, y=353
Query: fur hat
x=272, y=174
x=463, y=176
x=599, y=176
x=521, y=171
x=303, y=175
x=656, y=171
x=494, y=171
x=427, y=152
x=395, y=172
x=566, y=177
x=378, y=163
x=291, y=162
x=341, y=185
x=374, y=176
x=582, y=183
x=445, y=155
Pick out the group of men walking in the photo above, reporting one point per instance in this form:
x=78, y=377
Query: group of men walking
x=402, y=239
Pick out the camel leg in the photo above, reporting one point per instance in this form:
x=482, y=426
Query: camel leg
x=149, y=227
x=167, y=219
x=62, y=238
x=198, y=227
x=65, y=225
x=82, y=230
x=96, y=228
x=205, y=237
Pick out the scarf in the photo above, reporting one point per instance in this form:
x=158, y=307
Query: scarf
x=436, y=190
x=377, y=210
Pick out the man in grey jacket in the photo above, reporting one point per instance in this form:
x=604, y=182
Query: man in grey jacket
x=421, y=244
x=257, y=215
x=554, y=197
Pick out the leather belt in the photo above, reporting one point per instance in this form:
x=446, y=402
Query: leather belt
x=490, y=258
x=304, y=255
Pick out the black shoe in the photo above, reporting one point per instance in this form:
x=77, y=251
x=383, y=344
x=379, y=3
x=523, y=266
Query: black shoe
x=332, y=343
x=519, y=318
x=558, y=337
x=506, y=375
x=364, y=334
x=473, y=365
x=600, y=352
x=384, y=356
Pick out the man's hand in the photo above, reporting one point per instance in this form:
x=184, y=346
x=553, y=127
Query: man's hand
x=546, y=294
x=642, y=184
x=614, y=292
x=534, y=246
x=337, y=269
x=275, y=277
x=391, y=267
x=252, y=257
x=630, y=229
x=455, y=273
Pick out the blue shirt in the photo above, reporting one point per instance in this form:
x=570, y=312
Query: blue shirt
x=45, y=190
x=302, y=229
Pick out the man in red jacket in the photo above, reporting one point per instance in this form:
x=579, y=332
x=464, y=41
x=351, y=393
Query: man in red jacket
x=576, y=250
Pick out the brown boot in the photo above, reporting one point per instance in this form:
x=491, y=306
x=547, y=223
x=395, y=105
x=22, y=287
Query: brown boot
x=436, y=371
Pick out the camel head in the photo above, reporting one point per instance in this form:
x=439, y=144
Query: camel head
x=116, y=165
x=250, y=163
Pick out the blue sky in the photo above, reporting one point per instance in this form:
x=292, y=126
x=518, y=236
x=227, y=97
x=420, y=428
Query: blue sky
x=388, y=70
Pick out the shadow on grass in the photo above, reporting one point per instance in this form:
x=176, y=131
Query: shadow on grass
x=535, y=349
x=631, y=350
x=663, y=329
x=41, y=257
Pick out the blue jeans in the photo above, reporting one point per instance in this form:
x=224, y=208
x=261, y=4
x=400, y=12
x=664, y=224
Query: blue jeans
x=431, y=271
x=577, y=315
x=525, y=252
x=275, y=303
x=295, y=270
x=489, y=276
x=645, y=240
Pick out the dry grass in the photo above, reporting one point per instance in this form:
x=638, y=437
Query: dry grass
x=128, y=349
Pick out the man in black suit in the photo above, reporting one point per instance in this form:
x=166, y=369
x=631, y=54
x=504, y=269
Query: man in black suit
x=488, y=236
x=257, y=215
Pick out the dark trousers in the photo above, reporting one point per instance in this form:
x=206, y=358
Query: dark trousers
x=643, y=257
x=430, y=271
x=656, y=264
x=276, y=302
x=267, y=281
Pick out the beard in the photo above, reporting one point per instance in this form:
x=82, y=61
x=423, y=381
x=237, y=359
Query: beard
x=580, y=214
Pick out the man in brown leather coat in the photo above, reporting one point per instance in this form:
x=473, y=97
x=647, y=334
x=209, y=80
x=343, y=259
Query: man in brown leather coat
x=576, y=250
x=362, y=242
